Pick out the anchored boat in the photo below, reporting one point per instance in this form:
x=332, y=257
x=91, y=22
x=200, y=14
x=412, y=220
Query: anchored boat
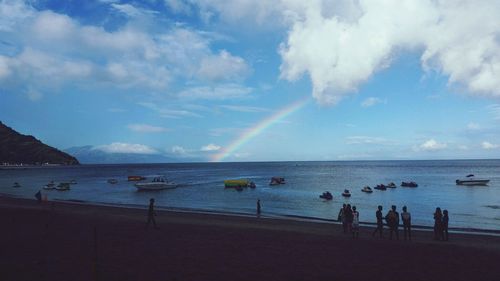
x=158, y=183
x=471, y=180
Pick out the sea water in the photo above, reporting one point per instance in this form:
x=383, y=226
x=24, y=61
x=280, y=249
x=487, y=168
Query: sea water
x=201, y=188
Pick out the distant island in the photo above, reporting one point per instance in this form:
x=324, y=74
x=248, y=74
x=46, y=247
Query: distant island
x=18, y=149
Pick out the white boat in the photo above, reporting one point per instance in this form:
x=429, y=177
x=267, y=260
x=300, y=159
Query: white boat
x=346, y=193
x=63, y=186
x=156, y=184
x=49, y=186
x=367, y=189
x=471, y=180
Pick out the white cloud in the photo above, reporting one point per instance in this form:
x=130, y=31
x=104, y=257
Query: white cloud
x=367, y=140
x=489, y=145
x=210, y=147
x=371, y=101
x=34, y=95
x=240, y=108
x=119, y=147
x=178, y=150
x=494, y=110
x=473, y=126
x=169, y=113
x=220, y=92
x=458, y=39
x=179, y=6
x=223, y=66
x=431, y=145
x=145, y=128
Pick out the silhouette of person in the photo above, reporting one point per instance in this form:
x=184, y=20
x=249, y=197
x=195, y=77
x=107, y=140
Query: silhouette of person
x=380, y=222
x=151, y=214
x=355, y=223
x=445, y=225
x=348, y=217
x=438, y=221
x=258, y=208
x=392, y=219
x=406, y=218
x=342, y=217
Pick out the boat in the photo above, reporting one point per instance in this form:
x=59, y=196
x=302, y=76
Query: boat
x=277, y=181
x=391, y=185
x=49, y=186
x=113, y=181
x=471, y=180
x=409, y=184
x=136, y=178
x=346, y=193
x=240, y=183
x=72, y=182
x=16, y=185
x=63, y=186
x=158, y=183
x=252, y=185
x=380, y=187
x=367, y=189
x=326, y=195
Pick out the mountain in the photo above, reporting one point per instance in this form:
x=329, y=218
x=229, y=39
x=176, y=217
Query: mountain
x=90, y=155
x=16, y=148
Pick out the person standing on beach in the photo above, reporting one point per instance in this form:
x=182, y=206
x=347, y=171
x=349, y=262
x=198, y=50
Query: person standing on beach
x=258, y=208
x=445, y=225
x=438, y=221
x=348, y=217
x=355, y=223
x=380, y=222
x=151, y=214
x=392, y=219
x=341, y=217
x=406, y=218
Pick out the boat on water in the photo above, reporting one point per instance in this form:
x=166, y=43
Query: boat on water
x=472, y=180
x=326, y=195
x=63, y=186
x=136, y=178
x=239, y=183
x=158, y=183
x=380, y=187
x=50, y=186
x=409, y=184
x=113, y=181
x=391, y=185
x=16, y=185
x=367, y=189
x=277, y=181
x=72, y=182
x=346, y=193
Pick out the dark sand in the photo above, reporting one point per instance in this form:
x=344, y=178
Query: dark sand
x=55, y=241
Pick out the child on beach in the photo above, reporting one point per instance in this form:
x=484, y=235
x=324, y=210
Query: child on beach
x=406, y=218
x=355, y=223
x=380, y=222
x=445, y=225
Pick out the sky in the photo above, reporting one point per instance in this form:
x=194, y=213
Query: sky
x=244, y=80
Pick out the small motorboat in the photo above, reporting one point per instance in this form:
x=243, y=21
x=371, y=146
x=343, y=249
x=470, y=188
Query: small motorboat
x=346, y=193
x=113, y=181
x=277, y=181
x=136, y=178
x=16, y=185
x=380, y=187
x=252, y=185
x=367, y=189
x=63, y=186
x=158, y=183
x=471, y=180
x=326, y=195
x=409, y=184
x=50, y=186
x=391, y=185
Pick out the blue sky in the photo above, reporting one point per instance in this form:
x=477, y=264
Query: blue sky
x=186, y=78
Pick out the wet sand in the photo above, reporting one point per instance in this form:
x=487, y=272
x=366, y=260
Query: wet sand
x=66, y=241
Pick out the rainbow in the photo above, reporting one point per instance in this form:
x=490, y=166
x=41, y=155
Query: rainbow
x=257, y=129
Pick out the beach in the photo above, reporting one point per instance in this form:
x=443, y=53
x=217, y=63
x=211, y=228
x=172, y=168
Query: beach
x=71, y=241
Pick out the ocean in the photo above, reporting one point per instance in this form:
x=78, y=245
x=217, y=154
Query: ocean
x=201, y=188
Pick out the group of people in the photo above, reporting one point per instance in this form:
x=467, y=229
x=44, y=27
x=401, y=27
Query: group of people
x=350, y=222
x=349, y=217
x=441, y=224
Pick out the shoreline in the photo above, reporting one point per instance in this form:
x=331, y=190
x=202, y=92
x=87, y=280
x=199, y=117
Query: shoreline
x=472, y=231
x=72, y=241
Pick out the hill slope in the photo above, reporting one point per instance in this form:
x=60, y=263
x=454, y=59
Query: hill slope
x=16, y=148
